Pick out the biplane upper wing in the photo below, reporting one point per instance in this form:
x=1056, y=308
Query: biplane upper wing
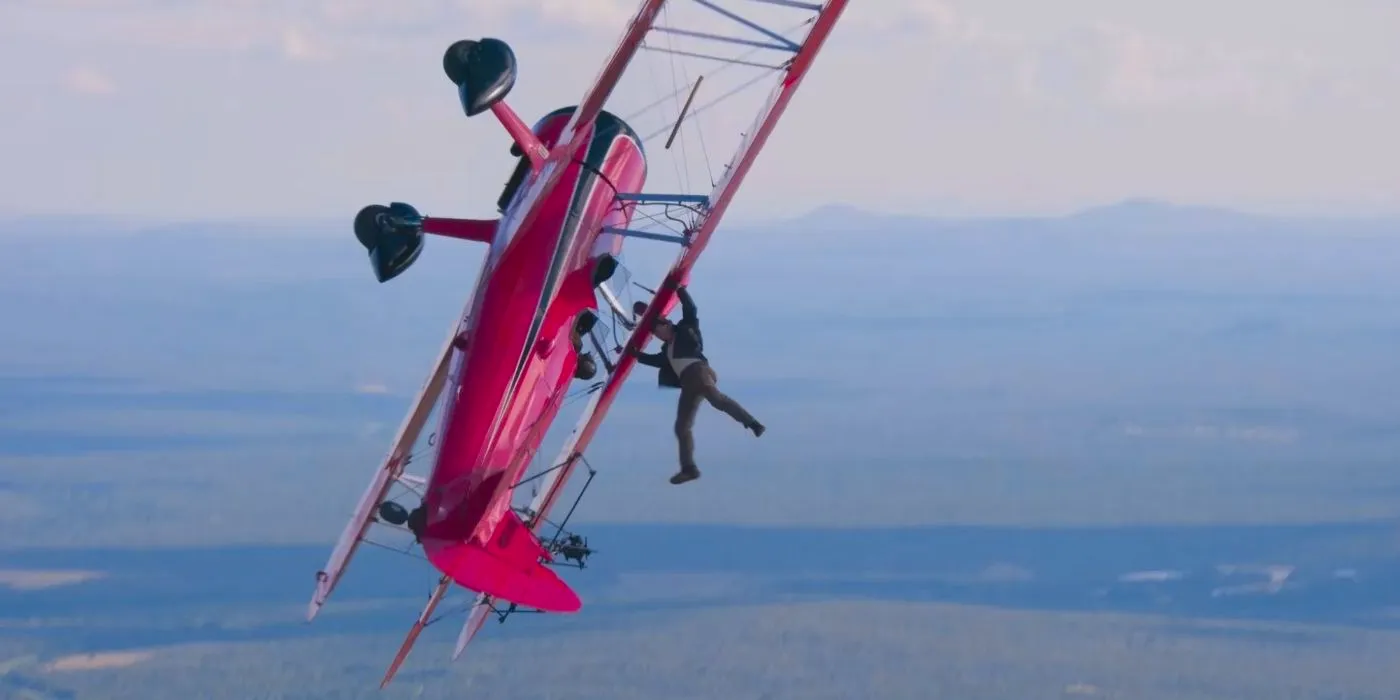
x=552, y=482
x=718, y=201
x=738, y=167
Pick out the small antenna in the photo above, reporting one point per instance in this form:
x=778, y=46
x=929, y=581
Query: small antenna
x=684, y=108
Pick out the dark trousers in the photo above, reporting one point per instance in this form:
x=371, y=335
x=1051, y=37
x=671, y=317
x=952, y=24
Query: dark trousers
x=699, y=383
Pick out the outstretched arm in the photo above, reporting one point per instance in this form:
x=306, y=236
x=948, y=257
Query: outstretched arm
x=650, y=359
x=687, y=305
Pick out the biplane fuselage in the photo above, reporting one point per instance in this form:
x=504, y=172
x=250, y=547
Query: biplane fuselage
x=499, y=378
x=517, y=359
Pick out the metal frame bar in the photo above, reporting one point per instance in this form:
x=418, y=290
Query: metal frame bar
x=788, y=44
x=660, y=198
x=712, y=57
x=602, y=354
x=720, y=37
x=633, y=233
x=793, y=3
x=624, y=316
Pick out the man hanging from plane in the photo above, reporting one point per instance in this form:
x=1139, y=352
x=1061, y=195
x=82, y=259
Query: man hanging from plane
x=681, y=363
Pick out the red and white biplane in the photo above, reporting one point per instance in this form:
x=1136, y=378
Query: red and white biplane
x=504, y=371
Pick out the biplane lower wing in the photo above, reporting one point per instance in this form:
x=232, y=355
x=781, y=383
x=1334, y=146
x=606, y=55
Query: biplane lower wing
x=389, y=471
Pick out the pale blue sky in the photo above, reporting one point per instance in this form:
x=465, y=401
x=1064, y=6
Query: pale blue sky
x=227, y=107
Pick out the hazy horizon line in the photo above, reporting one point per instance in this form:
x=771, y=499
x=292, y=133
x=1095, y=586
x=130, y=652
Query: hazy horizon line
x=1144, y=205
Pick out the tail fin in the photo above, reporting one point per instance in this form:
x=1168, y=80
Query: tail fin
x=508, y=567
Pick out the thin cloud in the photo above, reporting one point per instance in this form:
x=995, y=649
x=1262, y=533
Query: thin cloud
x=1120, y=67
x=287, y=27
x=1096, y=64
x=298, y=46
x=85, y=80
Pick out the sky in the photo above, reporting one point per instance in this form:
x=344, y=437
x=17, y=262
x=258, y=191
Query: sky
x=242, y=108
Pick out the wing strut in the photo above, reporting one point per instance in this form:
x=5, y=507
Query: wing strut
x=434, y=598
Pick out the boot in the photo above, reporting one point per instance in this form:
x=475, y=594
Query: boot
x=690, y=473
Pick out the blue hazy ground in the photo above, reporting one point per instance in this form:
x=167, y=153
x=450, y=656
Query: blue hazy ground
x=1008, y=413
x=1162, y=570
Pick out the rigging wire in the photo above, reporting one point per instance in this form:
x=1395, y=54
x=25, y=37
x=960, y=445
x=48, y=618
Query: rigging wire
x=712, y=103
x=651, y=72
x=670, y=44
x=681, y=118
x=708, y=76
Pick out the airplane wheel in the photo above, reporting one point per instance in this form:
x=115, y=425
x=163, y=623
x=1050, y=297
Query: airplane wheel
x=604, y=269
x=369, y=224
x=393, y=513
x=587, y=368
x=417, y=520
x=585, y=322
